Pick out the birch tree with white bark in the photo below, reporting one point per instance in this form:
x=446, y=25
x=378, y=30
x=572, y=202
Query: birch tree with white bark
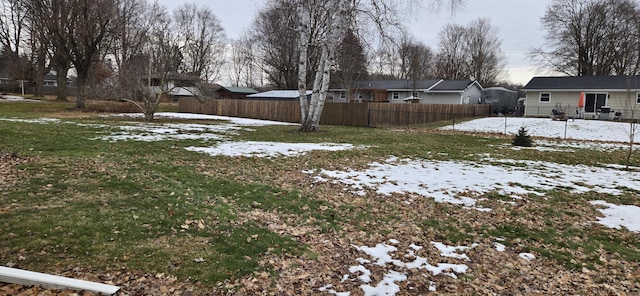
x=332, y=18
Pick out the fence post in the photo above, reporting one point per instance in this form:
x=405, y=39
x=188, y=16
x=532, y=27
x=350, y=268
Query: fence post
x=454, y=121
x=368, y=115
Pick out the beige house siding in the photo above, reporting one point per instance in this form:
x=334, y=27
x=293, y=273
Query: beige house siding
x=616, y=101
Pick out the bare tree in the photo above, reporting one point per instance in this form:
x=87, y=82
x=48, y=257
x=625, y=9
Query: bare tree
x=131, y=31
x=78, y=29
x=486, y=59
x=416, y=60
x=40, y=55
x=242, y=69
x=632, y=105
x=13, y=22
x=21, y=49
x=384, y=61
x=274, y=31
x=472, y=51
x=144, y=78
x=203, y=40
x=51, y=28
x=452, y=56
x=590, y=37
x=332, y=18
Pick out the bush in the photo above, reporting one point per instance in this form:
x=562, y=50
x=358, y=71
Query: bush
x=522, y=138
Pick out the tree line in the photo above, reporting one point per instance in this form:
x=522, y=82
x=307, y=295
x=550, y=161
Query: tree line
x=103, y=41
x=111, y=45
x=374, y=45
x=591, y=38
x=108, y=43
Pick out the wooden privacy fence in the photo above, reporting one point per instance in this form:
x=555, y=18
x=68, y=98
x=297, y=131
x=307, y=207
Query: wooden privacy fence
x=346, y=114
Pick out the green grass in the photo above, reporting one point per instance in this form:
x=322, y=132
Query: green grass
x=156, y=207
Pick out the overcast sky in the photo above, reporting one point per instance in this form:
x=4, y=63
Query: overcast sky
x=518, y=22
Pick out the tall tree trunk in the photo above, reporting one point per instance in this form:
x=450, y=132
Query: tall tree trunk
x=334, y=25
x=61, y=78
x=308, y=124
x=303, y=44
x=82, y=90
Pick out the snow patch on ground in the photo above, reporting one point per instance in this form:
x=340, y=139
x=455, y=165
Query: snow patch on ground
x=169, y=132
x=463, y=182
x=10, y=98
x=36, y=120
x=527, y=256
x=191, y=116
x=216, y=132
x=595, y=130
x=572, y=146
x=618, y=216
x=267, y=149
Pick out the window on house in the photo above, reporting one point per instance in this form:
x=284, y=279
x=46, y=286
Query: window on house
x=343, y=95
x=545, y=97
x=415, y=95
x=395, y=96
x=638, y=98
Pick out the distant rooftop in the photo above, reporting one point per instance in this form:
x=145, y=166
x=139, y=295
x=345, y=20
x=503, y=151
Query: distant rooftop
x=238, y=90
x=583, y=83
x=279, y=94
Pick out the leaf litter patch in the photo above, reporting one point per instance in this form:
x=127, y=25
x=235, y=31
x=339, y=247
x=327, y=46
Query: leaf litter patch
x=384, y=256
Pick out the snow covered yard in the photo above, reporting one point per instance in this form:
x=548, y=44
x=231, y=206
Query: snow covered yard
x=429, y=225
x=461, y=183
x=579, y=129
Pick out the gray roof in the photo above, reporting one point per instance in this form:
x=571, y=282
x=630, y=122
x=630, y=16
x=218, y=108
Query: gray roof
x=452, y=85
x=498, y=89
x=278, y=94
x=434, y=85
x=238, y=90
x=583, y=83
x=395, y=84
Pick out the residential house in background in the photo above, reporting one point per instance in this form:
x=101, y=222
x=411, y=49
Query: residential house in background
x=176, y=85
x=52, y=80
x=4, y=78
x=590, y=97
x=433, y=91
x=233, y=93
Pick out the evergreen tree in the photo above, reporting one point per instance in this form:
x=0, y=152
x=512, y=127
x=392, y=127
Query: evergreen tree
x=522, y=138
x=351, y=63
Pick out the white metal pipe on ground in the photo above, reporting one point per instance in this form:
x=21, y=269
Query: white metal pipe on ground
x=30, y=278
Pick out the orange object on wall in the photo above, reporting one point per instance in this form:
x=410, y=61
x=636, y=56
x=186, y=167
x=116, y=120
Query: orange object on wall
x=581, y=100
